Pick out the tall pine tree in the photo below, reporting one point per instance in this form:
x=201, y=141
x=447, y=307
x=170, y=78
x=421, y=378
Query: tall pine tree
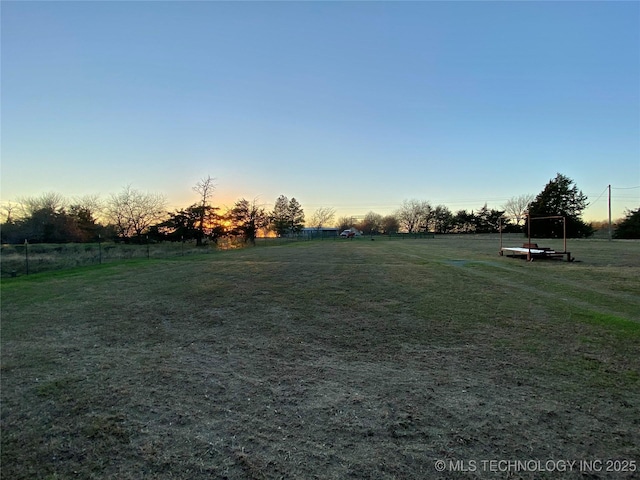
x=560, y=197
x=287, y=216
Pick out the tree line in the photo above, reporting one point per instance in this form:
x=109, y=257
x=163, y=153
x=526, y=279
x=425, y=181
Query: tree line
x=134, y=216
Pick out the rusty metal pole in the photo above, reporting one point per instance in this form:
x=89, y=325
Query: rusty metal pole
x=610, y=212
x=529, y=231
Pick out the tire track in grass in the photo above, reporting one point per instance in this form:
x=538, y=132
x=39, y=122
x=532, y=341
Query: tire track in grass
x=558, y=296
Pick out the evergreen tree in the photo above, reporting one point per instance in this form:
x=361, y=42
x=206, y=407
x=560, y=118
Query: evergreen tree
x=181, y=225
x=287, y=216
x=247, y=218
x=280, y=216
x=464, y=222
x=86, y=226
x=488, y=221
x=296, y=216
x=560, y=197
x=630, y=226
x=442, y=219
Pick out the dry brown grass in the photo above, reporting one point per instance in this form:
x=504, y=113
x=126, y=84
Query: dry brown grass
x=326, y=360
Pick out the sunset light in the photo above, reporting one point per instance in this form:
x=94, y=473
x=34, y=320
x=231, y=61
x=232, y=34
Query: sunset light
x=356, y=106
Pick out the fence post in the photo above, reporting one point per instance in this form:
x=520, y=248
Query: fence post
x=147, y=247
x=26, y=255
x=99, y=249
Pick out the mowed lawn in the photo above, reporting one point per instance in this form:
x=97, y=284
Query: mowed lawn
x=324, y=360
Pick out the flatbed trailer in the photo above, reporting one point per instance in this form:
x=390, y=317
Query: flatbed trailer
x=531, y=251
x=534, y=252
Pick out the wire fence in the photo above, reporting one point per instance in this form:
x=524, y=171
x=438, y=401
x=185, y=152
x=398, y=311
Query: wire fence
x=25, y=259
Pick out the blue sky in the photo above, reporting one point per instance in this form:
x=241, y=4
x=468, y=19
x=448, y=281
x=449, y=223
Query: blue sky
x=350, y=105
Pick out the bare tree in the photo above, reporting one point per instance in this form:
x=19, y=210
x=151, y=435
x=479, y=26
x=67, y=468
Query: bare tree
x=517, y=207
x=414, y=215
x=132, y=212
x=371, y=223
x=390, y=224
x=345, y=223
x=51, y=201
x=204, y=188
x=322, y=217
x=92, y=204
x=9, y=209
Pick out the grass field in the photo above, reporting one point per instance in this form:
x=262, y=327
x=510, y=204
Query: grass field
x=326, y=360
x=44, y=257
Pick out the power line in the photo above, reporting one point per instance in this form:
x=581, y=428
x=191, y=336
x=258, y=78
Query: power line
x=600, y=196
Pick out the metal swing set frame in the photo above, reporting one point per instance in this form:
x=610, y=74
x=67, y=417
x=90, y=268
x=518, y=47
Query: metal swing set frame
x=532, y=251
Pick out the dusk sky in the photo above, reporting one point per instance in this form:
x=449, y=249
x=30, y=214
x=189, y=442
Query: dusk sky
x=350, y=105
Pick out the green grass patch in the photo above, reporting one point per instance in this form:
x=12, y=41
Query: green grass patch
x=620, y=326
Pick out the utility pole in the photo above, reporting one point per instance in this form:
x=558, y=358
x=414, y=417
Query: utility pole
x=609, y=212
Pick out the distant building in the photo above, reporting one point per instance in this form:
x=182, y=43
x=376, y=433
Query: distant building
x=322, y=232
